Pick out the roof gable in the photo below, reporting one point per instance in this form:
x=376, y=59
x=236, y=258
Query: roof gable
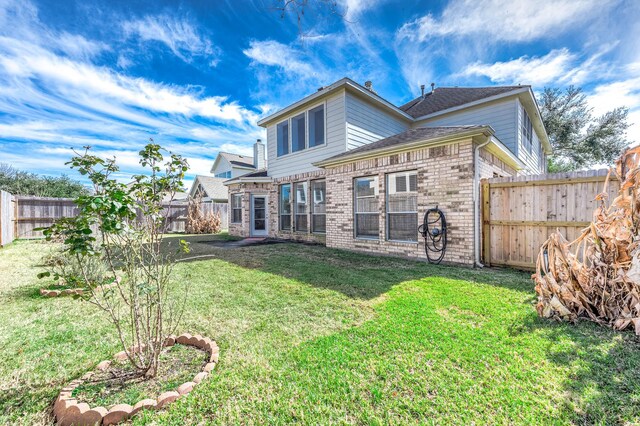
x=213, y=187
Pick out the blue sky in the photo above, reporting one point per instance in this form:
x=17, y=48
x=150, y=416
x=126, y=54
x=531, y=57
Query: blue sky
x=196, y=76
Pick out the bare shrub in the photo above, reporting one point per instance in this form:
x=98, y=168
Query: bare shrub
x=201, y=223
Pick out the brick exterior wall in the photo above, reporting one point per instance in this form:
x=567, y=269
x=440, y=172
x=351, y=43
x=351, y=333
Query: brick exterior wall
x=445, y=179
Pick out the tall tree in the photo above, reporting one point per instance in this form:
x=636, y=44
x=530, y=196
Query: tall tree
x=19, y=182
x=579, y=139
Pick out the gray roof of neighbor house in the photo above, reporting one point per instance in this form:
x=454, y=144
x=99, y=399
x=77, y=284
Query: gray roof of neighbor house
x=238, y=160
x=262, y=173
x=442, y=98
x=411, y=135
x=212, y=186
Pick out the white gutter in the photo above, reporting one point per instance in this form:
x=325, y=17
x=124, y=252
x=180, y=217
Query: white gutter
x=476, y=200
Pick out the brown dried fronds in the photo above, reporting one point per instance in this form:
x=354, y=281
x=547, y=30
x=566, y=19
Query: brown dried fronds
x=597, y=276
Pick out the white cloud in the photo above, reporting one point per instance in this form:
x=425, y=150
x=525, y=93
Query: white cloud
x=505, y=20
x=78, y=79
x=180, y=36
x=53, y=96
x=536, y=71
x=286, y=58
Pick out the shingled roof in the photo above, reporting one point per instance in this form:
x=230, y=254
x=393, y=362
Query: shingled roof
x=213, y=187
x=238, y=160
x=449, y=97
x=406, y=137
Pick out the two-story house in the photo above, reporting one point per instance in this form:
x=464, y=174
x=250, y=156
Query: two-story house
x=348, y=169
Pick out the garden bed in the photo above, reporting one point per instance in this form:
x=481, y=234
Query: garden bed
x=185, y=361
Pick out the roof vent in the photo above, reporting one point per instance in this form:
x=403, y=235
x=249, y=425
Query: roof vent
x=433, y=87
x=320, y=88
x=422, y=89
x=369, y=86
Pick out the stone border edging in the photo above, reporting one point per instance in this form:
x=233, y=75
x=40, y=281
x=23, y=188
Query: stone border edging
x=68, y=411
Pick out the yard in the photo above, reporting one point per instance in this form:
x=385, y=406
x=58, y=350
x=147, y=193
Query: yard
x=314, y=335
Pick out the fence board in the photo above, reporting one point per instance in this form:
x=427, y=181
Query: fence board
x=7, y=211
x=521, y=212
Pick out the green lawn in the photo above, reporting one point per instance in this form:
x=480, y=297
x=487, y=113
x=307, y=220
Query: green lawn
x=319, y=336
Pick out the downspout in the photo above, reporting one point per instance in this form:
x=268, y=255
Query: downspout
x=476, y=201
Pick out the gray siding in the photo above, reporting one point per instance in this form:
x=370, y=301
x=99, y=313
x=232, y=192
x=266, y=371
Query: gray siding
x=367, y=123
x=302, y=161
x=534, y=160
x=501, y=115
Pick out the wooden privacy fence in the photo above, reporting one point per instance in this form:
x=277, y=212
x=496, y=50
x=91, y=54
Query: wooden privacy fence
x=25, y=214
x=519, y=213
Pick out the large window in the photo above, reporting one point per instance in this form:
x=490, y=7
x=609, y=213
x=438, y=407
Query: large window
x=316, y=126
x=402, y=206
x=301, y=132
x=318, y=207
x=283, y=138
x=300, y=206
x=225, y=175
x=236, y=208
x=298, y=133
x=527, y=131
x=366, y=207
x=285, y=207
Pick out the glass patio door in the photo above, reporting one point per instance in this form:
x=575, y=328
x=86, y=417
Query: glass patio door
x=259, y=216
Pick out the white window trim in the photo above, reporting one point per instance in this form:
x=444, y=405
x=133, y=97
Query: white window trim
x=306, y=131
x=233, y=197
x=386, y=209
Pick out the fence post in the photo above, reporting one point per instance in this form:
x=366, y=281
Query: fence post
x=486, y=226
x=15, y=216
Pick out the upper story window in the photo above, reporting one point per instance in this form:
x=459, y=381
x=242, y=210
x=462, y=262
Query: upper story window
x=316, y=126
x=306, y=130
x=298, y=133
x=224, y=175
x=283, y=138
x=527, y=131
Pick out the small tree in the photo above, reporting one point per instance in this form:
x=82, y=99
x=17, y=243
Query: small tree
x=122, y=226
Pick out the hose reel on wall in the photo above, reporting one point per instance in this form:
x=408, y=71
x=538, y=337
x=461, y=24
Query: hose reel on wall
x=434, y=232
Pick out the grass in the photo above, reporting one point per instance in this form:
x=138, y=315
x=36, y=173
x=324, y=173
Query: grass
x=316, y=336
x=119, y=384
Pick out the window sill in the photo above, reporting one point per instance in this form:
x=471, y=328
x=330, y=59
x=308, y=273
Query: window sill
x=367, y=239
x=402, y=242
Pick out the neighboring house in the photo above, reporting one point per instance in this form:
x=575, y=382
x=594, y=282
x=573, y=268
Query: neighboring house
x=227, y=166
x=211, y=189
x=348, y=169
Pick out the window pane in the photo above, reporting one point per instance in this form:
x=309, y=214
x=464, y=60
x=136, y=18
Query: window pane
x=283, y=138
x=366, y=186
x=237, y=216
x=285, y=222
x=301, y=206
x=285, y=199
x=366, y=201
x=402, y=206
x=298, y=140
x=316, y=126
x=367, y=225
x=319, y=223
x=285, y=207
x=318, y=189
x=403, y=226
